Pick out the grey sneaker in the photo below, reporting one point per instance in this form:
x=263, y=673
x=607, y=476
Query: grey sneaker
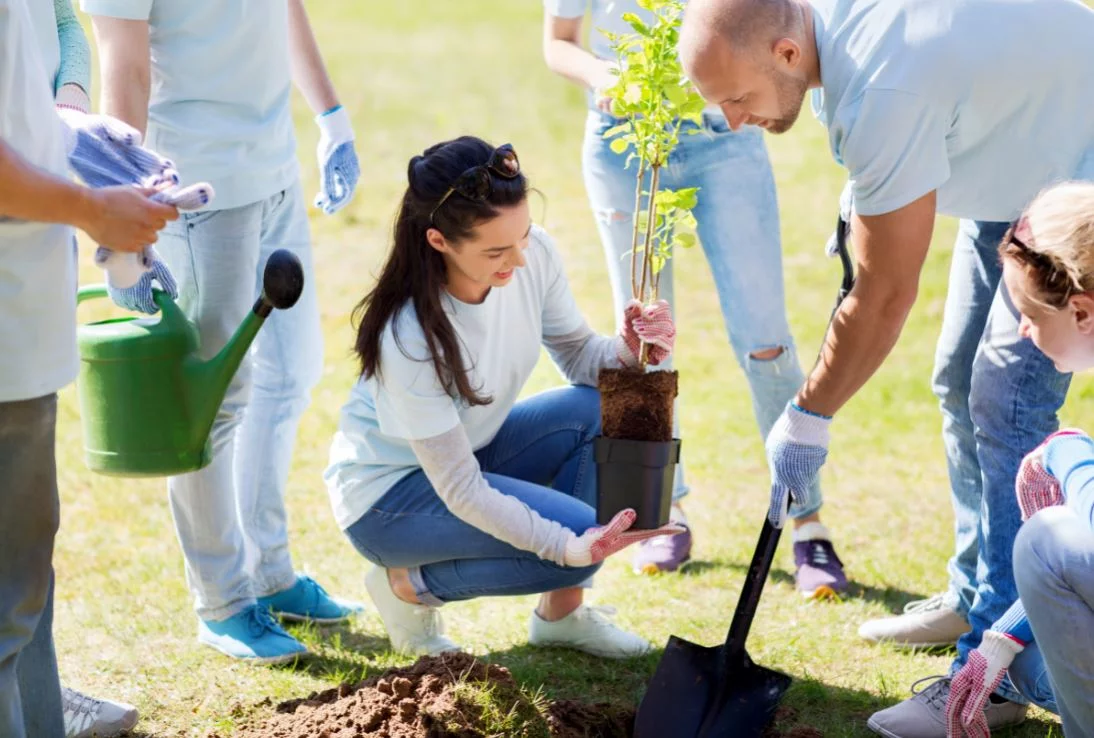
x=86, y=717
x=925, y=624
x=923, y=715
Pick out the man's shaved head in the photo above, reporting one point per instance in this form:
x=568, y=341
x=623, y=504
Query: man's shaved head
x=747, y=25
x=751, y=57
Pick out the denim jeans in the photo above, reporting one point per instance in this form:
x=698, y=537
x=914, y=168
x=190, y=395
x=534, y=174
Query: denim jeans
x=999, y=397
x=738, y=226
x=230, y=516
x=543, y=456
x=1054, y=569
x=30, y=693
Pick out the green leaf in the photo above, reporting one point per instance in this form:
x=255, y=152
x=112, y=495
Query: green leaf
x=684, y=240
x=616, y=130
x=645, y=4
x=687, y=198
x=636, y=23
x=619, y=145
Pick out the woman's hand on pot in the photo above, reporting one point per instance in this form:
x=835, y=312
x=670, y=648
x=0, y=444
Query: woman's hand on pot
x=597, y=544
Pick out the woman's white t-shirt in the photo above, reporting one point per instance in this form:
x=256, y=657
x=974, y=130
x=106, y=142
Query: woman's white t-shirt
x=501, y=339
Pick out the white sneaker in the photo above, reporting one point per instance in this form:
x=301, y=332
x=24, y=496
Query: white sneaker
x=86, y=716
x=588, y=629
x=413, y=629
x=925, y=624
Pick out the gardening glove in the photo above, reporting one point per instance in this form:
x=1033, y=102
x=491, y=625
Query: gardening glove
x=1035, y=487
x=129, y=276
x=338, y=167
x=650, y=324
x=597, y=544
x=104, y=151
x=971, y=687
x=797, y=447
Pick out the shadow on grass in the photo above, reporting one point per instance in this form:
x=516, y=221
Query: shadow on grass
x=893, y=598
x=338, y=653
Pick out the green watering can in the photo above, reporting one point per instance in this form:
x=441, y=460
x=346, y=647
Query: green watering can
x=147, y=401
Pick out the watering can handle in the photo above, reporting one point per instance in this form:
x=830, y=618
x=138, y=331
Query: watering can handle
x=96, y=291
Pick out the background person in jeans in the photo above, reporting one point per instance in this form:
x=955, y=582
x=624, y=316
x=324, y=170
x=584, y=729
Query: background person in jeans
x=1044, y=641
x=212, y=80
x=738, y=226
x=928, y=114
x=38, y=204
x=438, y=476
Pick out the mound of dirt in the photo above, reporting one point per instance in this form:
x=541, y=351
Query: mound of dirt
x=448, y=696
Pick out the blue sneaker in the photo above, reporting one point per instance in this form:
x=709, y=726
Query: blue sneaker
x=307, y=602
x=251, y=635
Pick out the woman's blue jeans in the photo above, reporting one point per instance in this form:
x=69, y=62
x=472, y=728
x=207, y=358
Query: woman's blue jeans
x=543, y=456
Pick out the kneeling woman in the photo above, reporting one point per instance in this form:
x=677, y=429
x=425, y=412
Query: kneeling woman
x=438, y=475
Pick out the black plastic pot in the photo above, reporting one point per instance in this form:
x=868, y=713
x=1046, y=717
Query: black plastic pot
x=635, y=474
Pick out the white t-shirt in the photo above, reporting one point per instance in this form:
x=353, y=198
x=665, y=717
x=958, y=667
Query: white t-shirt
x=37, y=260
x=501, y=339
x=221, y=84
x=985, y=101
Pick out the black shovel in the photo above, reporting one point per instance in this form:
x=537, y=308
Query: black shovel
x=717, y=691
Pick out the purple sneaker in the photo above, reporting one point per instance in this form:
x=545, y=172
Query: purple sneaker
x=663, y=553
x=819, y=571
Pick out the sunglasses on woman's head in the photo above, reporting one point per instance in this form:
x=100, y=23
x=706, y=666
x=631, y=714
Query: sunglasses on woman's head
x=474, y=183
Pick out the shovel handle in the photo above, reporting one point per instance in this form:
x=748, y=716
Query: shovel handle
x=764, y=555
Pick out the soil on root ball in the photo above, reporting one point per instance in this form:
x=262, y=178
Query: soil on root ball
x=635, y=405
x=447, y=696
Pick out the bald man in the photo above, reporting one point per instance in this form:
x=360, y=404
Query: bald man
x=962, y=107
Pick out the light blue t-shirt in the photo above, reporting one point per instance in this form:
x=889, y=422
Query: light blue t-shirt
x=221, y=83
x=37, y=260
x=985, y=101
x=501, y=339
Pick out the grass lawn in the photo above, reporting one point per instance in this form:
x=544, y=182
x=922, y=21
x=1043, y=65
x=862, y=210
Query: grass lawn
x=413, y=74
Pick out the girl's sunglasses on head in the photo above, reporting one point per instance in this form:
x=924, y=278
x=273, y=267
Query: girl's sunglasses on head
x=474, y=183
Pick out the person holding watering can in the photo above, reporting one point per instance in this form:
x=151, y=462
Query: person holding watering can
x=438, y=475
x=39, y=205
x=212, y=81
x=968, y=108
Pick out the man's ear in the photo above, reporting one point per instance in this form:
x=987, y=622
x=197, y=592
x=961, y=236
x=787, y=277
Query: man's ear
x=788, y=54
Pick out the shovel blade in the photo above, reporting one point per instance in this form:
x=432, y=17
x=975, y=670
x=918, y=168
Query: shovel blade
x=693, y=695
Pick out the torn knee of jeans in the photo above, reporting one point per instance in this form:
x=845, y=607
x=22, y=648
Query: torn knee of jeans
x=769, y=360
x=769, y=354
x=609, y=215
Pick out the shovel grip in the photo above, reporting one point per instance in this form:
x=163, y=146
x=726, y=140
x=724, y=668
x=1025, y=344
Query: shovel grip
x=758, y=570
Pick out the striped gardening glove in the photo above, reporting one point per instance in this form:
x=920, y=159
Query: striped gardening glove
x=797, y=447
x=971, y=687
x=129, y=276
x=1035, y=487
x=104, y=151
x=650, y=324
x=597, y=544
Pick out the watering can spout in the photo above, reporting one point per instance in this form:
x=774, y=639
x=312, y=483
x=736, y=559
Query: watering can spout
x=282, y=284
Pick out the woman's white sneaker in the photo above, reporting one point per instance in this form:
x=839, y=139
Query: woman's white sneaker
x=413, y=629
x=588, y=629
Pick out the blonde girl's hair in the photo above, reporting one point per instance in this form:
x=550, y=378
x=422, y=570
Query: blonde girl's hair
x=1054, y=242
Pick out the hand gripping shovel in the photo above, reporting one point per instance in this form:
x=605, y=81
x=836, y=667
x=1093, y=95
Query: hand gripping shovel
x=717, y=691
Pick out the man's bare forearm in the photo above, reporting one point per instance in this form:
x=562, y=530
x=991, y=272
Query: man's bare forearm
x=125, y=66
x=860, y=338
x=33, y=194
